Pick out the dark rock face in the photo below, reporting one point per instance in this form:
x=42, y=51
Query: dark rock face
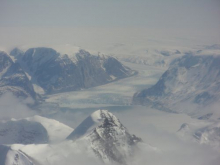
x=115, y=68
x=14, y=79
x=91, y=70
x=58, y=73
x=52, y=72
x=109, y=139
x=192, y=78
x=17, y=53
x=112, y=139
x=205, y=117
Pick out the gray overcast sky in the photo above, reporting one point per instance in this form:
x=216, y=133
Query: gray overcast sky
x=31, y=21
x=111, y=13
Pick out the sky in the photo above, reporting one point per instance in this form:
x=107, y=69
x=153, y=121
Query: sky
x=111, y=13
x=44, y=21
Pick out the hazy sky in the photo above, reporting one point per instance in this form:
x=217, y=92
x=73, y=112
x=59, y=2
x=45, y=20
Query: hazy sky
x=111, y=13
x=187, y=16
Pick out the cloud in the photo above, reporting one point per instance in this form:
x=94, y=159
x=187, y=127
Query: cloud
x=12, y=107
x=158, y=130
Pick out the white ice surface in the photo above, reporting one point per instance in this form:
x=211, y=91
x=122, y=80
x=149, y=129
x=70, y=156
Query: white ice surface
x=116, y=93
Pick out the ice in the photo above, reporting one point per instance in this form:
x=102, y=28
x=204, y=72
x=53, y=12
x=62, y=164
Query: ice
x=118, y=93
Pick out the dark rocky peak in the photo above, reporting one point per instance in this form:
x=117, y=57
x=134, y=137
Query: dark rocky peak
x=17, y=53
x=5, y=60
x=109, y=139
x=13, y=78
x=84, y=55
x=40, y=55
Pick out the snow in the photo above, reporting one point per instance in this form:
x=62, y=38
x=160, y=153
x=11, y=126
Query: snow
x=38, y=89
x=13, y=157
x=35, y=129
x=68, y=49
x=108, y=138
x=22, y=132
x=65, y=152
x=203, y=132
x=149, y=120
x=117, y=93
x=4, y=71
x=56, y=131
x=87, y=125
x=28, y=76
x=19, y=158
x=96, y=116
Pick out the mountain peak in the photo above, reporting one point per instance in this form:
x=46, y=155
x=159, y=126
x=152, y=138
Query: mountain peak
x=105, y=116
x=109, y=139
x=97, y=118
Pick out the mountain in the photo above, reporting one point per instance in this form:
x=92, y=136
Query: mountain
x=13, y=78
x=160, y=58
x=33, y=130
x=56, y=130
x=99, y=139
x=191, y=80
x=22, y=132
x=9, y=156
x=56, y=73
x=209, y=134
x=203, y=132
x=109, y=139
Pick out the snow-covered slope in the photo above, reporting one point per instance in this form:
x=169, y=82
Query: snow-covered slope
x=23, y=132
x=66, y=153
x=192, y=79
x=203, y=132
x=152, y=57
x=55, y=73
x=33, y=130
x=12, y=157
x=109, y=139
x=56, y=130
x=13, y=78
x=99, y=139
